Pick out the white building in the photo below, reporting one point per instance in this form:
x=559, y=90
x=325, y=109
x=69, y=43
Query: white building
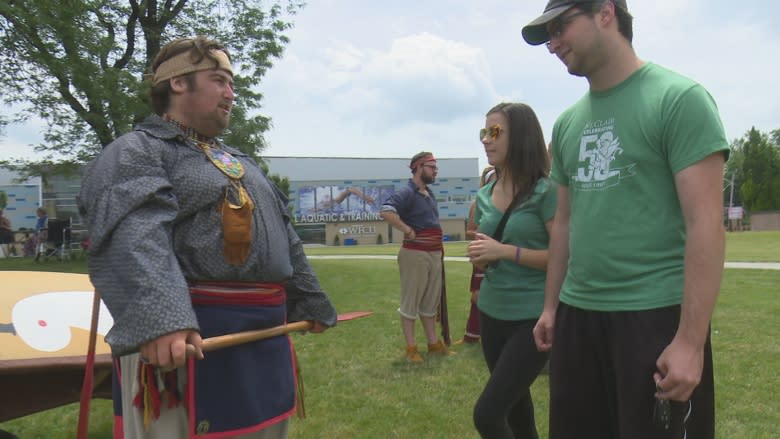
x=329, y=196
x=340, y=197
x=23, y=199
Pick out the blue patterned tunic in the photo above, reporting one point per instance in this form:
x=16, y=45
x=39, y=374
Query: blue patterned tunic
x=150, y=202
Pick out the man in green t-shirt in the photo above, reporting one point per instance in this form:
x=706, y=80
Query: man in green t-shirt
x=637, y=245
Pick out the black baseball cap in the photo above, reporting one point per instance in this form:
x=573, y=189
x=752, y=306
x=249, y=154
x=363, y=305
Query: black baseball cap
x=535, y=32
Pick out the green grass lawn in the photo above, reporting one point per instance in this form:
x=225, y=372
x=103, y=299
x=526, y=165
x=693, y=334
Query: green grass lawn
x=740, y=247
x=358, y=385
x=753, y=246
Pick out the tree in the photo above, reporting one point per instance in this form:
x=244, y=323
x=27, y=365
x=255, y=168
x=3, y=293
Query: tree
x=79, y=64
x=774, y=136
x=733, y=176
x=755, y=163
x=283, y=184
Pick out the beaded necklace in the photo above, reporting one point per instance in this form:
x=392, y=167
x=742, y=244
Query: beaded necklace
x=223, y=160
x=237, y=206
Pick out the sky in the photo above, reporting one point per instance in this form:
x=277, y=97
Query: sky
x=391, y=78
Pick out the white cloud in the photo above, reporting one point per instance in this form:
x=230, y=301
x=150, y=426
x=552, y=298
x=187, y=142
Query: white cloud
x=731, y=54
x=14, y=148
x=18, y=140
x=402, y=76
x=387, y=79
x=419, y=77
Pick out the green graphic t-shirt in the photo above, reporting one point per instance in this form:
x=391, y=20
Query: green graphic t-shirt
x=510, y=291
x=617, y=151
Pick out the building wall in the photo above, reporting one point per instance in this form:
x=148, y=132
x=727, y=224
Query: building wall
x=23, y=200
x=363, y=168
x=315, y=186
x=57, y=196
x=359, y=232
x=360, y=200
x=765, y=221
x=369, y=232
x=454, y=229
x=344, y=195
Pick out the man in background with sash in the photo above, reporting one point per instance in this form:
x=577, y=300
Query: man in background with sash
x=414, y=211
x=191, y=240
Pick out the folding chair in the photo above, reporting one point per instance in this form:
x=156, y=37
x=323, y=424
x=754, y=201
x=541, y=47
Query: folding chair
x=58, y=235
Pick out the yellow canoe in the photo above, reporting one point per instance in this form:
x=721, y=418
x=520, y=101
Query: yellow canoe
x=44, y=335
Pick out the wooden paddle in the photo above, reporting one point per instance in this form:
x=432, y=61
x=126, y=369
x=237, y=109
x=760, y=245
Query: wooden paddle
x=89, y=369
x=227, y=340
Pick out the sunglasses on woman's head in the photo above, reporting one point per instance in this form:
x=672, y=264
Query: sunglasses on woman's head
x=491, y=131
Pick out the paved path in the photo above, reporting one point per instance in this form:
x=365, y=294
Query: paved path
x=739, y=265
x=754, y=265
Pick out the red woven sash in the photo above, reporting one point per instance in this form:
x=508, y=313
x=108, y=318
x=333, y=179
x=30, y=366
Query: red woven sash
x=429, y=240
x=237, y=293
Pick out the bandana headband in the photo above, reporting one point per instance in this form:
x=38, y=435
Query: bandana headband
x=182, y=64
x=424, y=159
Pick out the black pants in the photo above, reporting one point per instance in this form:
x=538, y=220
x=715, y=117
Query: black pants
x=505, y=409
x=601, y=377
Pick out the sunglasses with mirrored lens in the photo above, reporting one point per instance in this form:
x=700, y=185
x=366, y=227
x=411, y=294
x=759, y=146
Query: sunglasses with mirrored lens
x=492, y=132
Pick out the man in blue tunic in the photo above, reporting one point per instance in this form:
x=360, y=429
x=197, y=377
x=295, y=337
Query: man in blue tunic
x=413, y=210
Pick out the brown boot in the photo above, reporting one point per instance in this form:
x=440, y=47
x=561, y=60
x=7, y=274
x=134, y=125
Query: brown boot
x=467, y=340
x=439, y=348
x=412, y=355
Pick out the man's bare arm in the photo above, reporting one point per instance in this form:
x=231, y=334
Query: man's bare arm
x=557, y=261
x=395, y=220
x=700, y=190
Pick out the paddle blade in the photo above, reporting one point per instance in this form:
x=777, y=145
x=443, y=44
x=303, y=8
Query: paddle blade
x=353, y=315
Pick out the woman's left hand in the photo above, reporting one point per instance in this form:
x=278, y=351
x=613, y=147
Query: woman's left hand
x=483, y=250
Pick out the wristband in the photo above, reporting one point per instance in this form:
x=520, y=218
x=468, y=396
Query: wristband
x=517, y=255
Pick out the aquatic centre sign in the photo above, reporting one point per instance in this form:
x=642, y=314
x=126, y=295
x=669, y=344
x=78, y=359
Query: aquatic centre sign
x=331, y=217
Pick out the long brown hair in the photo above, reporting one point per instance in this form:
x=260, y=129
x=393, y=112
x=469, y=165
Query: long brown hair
x=527, y=160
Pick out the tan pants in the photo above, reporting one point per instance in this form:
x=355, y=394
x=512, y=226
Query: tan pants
x=172, y=423
x=420, y=282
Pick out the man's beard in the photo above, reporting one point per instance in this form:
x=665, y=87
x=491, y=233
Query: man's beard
x=213, y=124
x=427, y=179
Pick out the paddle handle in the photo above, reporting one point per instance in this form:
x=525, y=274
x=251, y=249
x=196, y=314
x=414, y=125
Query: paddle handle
x=224, y=341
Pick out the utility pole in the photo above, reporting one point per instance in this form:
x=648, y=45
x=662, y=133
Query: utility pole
x=731, y=195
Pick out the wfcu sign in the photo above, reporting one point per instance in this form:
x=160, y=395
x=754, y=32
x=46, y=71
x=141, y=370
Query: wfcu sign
x=358, y=230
